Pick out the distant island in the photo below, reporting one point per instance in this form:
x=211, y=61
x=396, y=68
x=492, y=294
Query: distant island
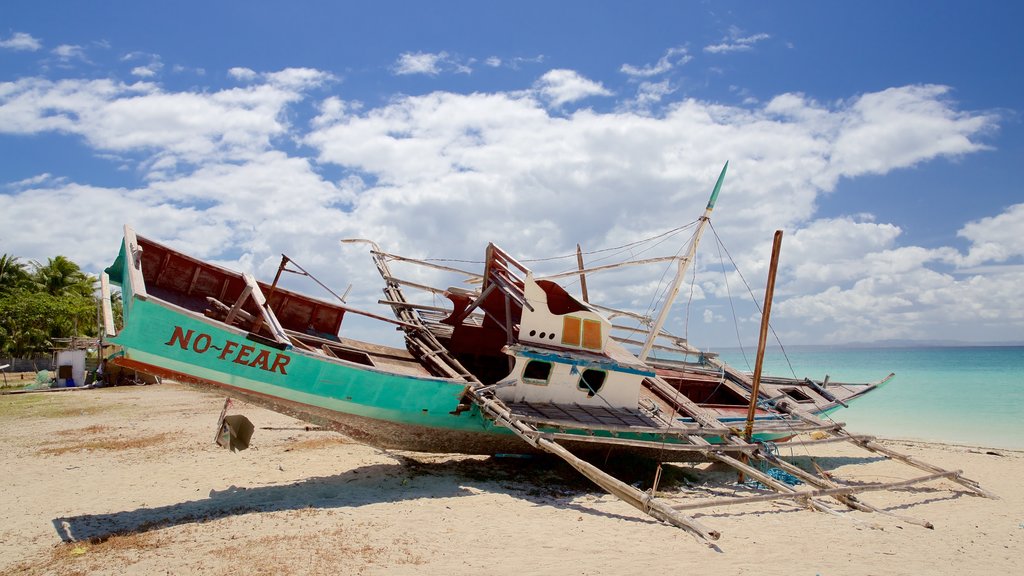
x=890, y=343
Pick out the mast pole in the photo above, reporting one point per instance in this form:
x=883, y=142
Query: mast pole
x=769, y=291
x=684, y=263
x=583, y=275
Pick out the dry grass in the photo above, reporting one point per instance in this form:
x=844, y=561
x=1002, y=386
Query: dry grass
x=323, y=553
x=47, y=405
x=80, y=558
x=108, y=444
x=88, y=430
x=337, y=550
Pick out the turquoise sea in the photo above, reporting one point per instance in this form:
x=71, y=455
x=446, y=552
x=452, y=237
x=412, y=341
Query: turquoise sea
x=962, y=395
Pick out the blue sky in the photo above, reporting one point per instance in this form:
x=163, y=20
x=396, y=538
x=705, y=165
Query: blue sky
x=884, y=138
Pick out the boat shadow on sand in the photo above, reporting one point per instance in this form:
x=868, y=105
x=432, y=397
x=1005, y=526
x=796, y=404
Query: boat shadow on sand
x=538, y=480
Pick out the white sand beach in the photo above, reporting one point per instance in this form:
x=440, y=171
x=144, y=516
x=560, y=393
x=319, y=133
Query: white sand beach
x=128, y=480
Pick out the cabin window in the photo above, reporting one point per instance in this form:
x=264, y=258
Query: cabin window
x=537, y=372
x=592, y=334
x=571, y=331
x=591, y=381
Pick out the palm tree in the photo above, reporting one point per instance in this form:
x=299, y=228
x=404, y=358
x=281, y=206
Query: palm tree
x=12, y=273
x=61, y=277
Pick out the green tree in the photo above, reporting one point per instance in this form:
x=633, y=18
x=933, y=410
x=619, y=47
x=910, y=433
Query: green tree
x=55, y=300
x=60, y=276
x=13, y=273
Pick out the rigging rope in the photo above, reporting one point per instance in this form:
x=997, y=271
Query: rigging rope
x=728, y=293
x=666, y=235
x=753, y=298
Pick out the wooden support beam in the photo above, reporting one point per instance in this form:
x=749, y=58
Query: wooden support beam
x=804, y=494
x=873, y=446
x=237, y=307
x=828, y=440
x=642, y=444
x=910, y=461
x=109, y=328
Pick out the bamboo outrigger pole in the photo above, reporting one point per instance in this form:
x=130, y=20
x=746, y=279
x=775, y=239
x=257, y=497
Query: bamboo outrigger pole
x=681, y=271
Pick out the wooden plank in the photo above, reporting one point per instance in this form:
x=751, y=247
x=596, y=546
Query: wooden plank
x=237, y=307
x=829, y=440
x=195, y=278
x=132, y=260
x=660, y=445
x=109, y=328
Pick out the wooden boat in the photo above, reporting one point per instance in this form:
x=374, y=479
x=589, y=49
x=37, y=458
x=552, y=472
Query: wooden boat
x=196, y=322
x=518, y=365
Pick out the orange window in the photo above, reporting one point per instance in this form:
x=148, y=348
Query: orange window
x=571, y=331
x=592, y=334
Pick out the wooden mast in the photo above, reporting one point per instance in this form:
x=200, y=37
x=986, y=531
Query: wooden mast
x=681, y=271
x=583, y=274
x=769, y=291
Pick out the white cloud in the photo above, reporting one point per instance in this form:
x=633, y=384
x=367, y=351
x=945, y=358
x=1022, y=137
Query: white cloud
x=167, y=127
x=649, y=94
x=243, y=74
x=69, y=52
x=673, y=57
x=899, y=127
x=995, y=239
x=299, y=79
x=563, y=86
x=148, y=70
x=34, y=181
x=420, y=63
x=20, y=41
x=442, y=174
x=736, y=42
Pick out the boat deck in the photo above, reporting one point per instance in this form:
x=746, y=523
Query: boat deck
x=577, y=416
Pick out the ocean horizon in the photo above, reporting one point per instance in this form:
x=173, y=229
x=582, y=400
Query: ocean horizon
x=971, y=395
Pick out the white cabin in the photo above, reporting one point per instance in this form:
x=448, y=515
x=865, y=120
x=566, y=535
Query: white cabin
x=561, y=357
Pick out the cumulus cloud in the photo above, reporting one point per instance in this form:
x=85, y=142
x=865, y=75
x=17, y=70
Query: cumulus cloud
x=22, y=42
x=499, y=167
x=442, y=174
x=166, y=127
x=563, y=86
x=995, y=239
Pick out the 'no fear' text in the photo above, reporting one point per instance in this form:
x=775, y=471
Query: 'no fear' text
x=243, y=354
